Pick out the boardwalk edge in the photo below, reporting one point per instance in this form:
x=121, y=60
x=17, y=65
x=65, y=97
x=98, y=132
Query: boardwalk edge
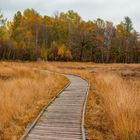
x=84, y=111
x=42, y=111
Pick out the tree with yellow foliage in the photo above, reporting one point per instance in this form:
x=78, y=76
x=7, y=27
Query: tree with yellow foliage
x=64, y=53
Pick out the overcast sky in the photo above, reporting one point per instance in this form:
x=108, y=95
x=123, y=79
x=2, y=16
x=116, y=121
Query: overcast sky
x=112, y=10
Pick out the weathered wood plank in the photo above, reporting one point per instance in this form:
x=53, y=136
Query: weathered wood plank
x=50, y=138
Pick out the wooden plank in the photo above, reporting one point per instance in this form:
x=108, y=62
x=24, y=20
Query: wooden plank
x=50, y=138
x=56, y=128
x=42, y=135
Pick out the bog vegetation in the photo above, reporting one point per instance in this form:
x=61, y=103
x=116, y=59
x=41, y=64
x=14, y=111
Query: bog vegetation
x=66, y=36
x=23, y=93
x=113, y=107
x=120, y=106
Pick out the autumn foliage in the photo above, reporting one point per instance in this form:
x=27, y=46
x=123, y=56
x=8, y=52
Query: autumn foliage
x=66, y=36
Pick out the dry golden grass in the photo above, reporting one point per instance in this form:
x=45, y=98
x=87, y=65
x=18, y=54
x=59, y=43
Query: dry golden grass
x=113, y=108
x=23, y=93
x=121, y=103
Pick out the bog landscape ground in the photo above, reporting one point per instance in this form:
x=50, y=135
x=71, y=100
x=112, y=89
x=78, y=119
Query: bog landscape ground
x=112, y=110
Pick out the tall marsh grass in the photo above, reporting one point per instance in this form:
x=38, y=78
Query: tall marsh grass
x=113, y=106
x=23, y=93
x=121, y=102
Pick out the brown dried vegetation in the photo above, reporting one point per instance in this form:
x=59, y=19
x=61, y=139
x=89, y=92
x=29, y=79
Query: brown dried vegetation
x=113, y=104
x=23, y=93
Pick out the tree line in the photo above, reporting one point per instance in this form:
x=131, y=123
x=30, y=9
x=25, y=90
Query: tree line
x=67, y=37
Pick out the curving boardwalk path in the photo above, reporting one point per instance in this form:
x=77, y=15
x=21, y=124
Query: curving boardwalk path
x=62, y=119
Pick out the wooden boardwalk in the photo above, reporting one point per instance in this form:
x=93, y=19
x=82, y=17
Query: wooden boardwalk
x=62, y=119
